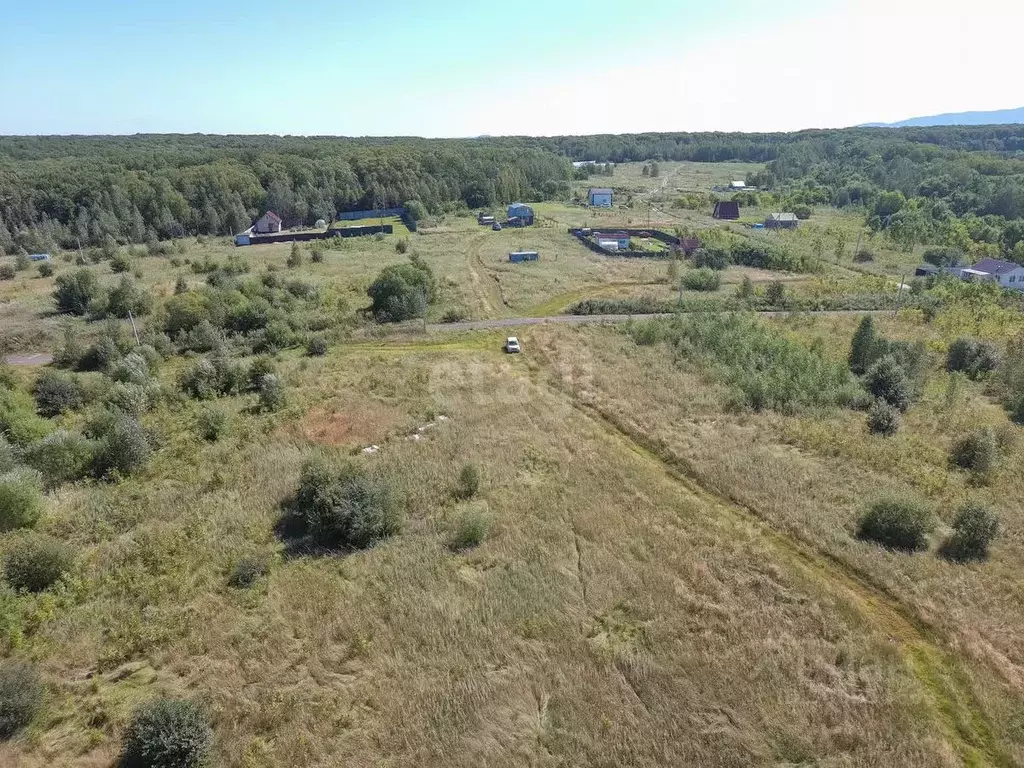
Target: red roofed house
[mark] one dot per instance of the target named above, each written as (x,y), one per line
(268,223)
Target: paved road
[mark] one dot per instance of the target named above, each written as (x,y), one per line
(513,322)
(39,358)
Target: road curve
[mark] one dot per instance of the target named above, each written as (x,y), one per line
(514,322)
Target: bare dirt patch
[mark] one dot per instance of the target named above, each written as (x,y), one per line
(356,425)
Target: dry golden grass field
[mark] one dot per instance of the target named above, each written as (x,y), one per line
(661,578)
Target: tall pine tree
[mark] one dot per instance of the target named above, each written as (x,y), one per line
(862,349)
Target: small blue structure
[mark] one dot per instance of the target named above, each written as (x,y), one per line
(520,256)
(522,212)
(600,197)
(242,239)
(39,257)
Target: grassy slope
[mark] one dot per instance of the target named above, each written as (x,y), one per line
(611,599)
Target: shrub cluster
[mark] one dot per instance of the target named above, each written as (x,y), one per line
(469,482)
(883,419)
(976,452)
(764,368)
(21,499)
(471,528)
(898,524)
(168,733)
(974,529)
(56,393)
(35,562)
(974,358)
(21,696)
(702,279)
(403,291)
(343,506)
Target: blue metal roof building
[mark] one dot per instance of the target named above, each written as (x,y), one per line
(522,212)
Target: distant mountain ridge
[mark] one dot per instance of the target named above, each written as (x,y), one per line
(995,117)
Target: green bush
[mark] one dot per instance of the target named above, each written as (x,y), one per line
(124,448)
(46,269)
(702,279)
(775,294)
(402,246)
(101,355)
(271,392)
(57,392)
(711,257)
(897,524)
(61,457)
(402,292)
(883,419)
(210,423)
(35,562)
(21,696)
(21,499)
(19,422)
(887,381)
(471,528)
(132,399)
(975,358)
(121,262)
(75,291)
(976,452)
(248,571)
(168,733)
(131,369)
(317,347)
(200,381)
(469,482)
(127,297)
(260,367)
(974,529)
(344,506)
(7,271)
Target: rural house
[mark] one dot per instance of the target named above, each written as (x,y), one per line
(727,209)
(781,221)
(600,197)
(520,215)
(268,224)
(1006,273)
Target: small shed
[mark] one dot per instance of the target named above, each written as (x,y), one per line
(612,241)
(269,223)
(242,239)
(727,209)
(522,212)
(519,256)
(782,221)
(485,219)
(737,186)
(600,197)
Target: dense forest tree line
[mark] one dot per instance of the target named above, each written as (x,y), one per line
(961,186)
(61,191)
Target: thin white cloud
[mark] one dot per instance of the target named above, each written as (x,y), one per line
(876,60)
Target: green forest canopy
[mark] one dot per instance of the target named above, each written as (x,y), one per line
(956,186)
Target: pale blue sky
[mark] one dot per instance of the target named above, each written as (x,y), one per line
(462,68)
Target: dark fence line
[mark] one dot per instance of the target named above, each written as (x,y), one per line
(304,237)
(376,213)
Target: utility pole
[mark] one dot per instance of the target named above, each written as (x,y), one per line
(899,295)
(134,329)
